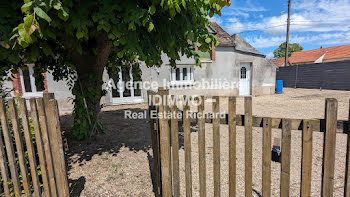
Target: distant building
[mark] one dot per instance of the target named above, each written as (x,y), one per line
(279,62)
(330,54)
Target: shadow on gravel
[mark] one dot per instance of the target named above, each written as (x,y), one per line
(133,134)
(120,132)
(76,186)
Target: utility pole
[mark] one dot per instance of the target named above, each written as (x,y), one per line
(287,38)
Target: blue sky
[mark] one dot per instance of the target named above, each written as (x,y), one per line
(314,23)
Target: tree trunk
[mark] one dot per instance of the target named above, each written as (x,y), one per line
(90,69)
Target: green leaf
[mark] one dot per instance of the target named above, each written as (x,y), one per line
(152,9)
(111,36)
(79,34)
(150,27)
(39,12)
(14,58)
(28,21)
(26,7)
(132,26)
(120,54)
(208,40)
(58,6)
(63,14)
(116,43)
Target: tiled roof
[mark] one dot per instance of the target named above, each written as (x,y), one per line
(336,52)
(222,35)
(279,62)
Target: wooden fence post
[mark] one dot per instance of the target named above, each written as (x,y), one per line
(232,145)
(55,136)
(329,147)
(175,149)
(154,127)
(201,149)
(347,166)
(188,149)
(165,149)
(30,147)
(248,124)
(285,157)
(266,163)
(19,146)
(47,146)
(40,147)
(3,160)
(216,145)
(306,164)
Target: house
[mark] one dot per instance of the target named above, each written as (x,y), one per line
(246,70)
(234,61)
(279,62)
(321,55)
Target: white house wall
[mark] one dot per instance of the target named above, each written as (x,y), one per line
(225,67)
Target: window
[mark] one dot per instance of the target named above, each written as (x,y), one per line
(243,73)
(184,74)
(28,81)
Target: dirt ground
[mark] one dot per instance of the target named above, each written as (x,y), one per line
(118,163)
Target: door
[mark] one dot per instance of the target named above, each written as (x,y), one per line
(127,90)
(244,79)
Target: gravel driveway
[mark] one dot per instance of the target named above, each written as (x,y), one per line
(118,162)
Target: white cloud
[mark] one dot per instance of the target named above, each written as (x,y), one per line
(243,8)
(320,39)
(216,19)
(307,16)
(270,55)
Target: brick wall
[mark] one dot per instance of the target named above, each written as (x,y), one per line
(16,84)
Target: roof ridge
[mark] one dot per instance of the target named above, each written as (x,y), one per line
(322,48)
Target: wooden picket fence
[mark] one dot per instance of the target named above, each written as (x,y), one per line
(165,142)
(31,151)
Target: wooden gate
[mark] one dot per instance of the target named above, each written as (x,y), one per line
(31,151)
(165,142)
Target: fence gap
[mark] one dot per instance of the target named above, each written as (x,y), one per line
(248,136)
(306,163)
(329,147)
(201,149)
(266,163)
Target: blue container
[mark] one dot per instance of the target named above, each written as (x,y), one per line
(279,87)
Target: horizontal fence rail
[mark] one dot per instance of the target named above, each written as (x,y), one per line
(318,125)
(32,160)
(167,156)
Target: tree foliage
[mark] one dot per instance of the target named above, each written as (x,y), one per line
(281,50)
(78,39)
